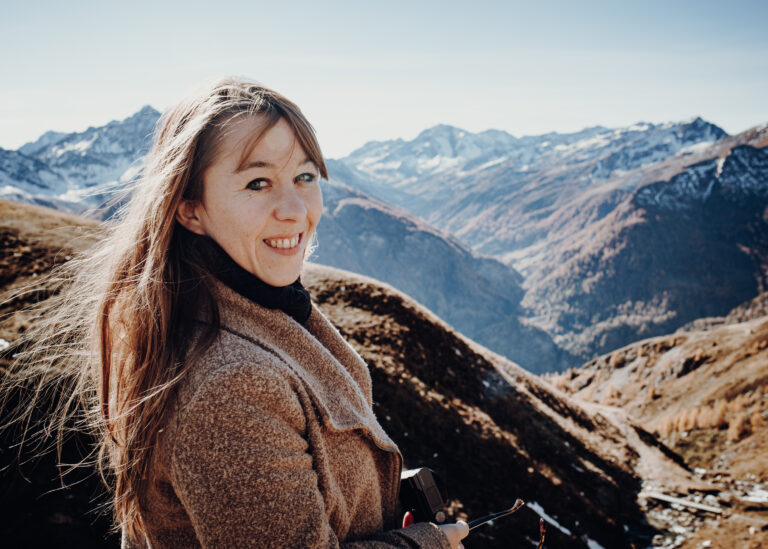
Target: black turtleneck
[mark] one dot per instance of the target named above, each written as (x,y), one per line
(292,299)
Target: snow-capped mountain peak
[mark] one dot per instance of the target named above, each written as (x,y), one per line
(447,151)
(72,167)
(101,154)
(48,139)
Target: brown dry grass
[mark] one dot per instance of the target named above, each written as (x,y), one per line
(717,418)
(720,372)
(741,416)
(738,404)
(738,427)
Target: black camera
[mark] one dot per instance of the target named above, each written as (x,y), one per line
(422,492)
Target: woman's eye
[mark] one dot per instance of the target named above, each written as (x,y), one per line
(257,184)
(306,178)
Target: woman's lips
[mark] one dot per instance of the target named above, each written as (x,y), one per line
(284,245)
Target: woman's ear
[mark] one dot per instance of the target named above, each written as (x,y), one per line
(188,215)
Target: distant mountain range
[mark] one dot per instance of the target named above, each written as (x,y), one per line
(493,190)
(548,249)
(620,234)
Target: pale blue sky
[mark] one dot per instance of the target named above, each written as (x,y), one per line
(379,70)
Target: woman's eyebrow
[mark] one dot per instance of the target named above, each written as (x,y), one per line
(253,164)
(265,164)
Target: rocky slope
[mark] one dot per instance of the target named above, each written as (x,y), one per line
(704,392)
(495,431)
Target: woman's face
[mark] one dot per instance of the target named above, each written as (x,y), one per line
(263,207)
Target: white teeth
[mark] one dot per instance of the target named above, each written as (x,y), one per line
(284,242)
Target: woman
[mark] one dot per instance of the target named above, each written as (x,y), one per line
(230,412)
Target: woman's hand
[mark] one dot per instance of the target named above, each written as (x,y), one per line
(455,533)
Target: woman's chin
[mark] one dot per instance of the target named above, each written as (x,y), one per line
(282,278)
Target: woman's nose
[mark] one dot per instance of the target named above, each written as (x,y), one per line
(290,205)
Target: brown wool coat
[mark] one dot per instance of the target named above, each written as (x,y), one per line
(272,442)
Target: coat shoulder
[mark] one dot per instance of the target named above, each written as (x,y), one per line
(228,351)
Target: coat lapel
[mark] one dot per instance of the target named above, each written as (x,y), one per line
(334,375)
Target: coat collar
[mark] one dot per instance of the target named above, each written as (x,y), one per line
(334,375)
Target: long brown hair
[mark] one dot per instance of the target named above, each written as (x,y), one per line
(115,337)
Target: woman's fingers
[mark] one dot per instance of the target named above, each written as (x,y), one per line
(455,533)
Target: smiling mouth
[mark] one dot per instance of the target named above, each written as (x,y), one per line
(284,243)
